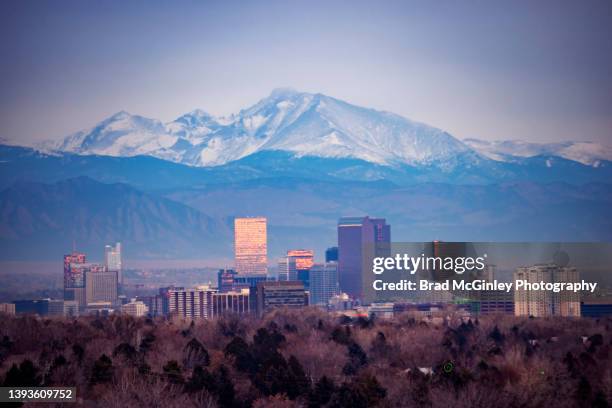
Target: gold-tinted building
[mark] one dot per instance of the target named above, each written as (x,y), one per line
(251,246)
(296,261)
(304,258)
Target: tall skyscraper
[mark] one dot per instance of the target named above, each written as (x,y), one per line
(359,239)
(100,284)
(74,277)
(112,260)
(323,283)
(542,303)
(250,246)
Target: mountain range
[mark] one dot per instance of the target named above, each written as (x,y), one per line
(170,190)
(306,125)
(40,221)
(589,153)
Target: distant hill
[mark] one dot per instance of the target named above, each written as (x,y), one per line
(152,174)
(40,221)
(304,213)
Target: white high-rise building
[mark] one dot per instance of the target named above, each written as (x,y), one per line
(112,260)
(192,303)
(541,303)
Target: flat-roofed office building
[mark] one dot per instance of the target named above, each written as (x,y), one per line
(277,294)
(192,303)
(135,308)
(232,302)
(100,284)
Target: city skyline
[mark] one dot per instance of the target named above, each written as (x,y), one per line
(339,203)
(236,293)
(342,284)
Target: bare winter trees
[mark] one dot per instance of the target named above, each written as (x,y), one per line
(309,358)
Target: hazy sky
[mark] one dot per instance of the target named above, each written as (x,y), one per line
(536,70)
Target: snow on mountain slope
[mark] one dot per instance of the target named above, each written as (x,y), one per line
(252,129)
(193,126)
(301,123)
(588,153)
(305,124)
(121,135)
(332,128)
(317,125)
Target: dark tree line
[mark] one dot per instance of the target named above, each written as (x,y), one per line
(313,359)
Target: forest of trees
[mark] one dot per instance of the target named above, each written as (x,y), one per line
(309,358)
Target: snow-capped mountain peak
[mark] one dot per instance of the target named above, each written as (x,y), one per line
(193,126)
(318,125)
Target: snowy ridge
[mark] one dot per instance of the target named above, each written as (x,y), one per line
(304,124)
(589,153)
(193,126)
(120,135)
